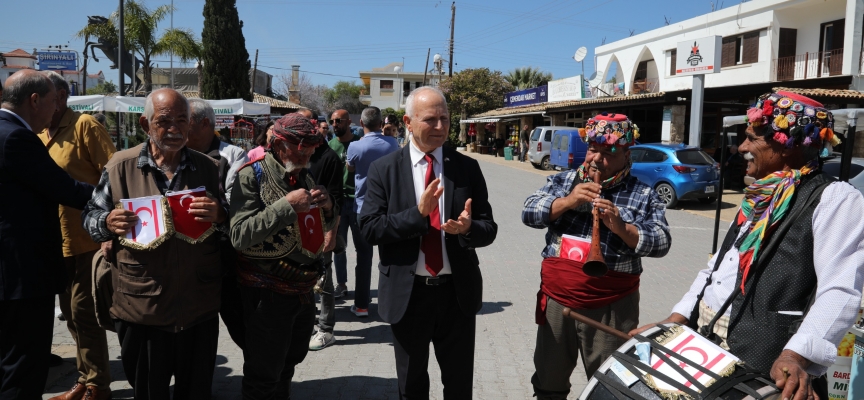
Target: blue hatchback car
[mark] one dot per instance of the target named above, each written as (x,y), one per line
(676,172)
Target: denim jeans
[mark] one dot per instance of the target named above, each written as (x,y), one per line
(363,269)
(341,260)
(327,318)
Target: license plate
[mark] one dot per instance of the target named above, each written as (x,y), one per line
(709,189)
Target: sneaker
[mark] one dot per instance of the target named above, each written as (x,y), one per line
(360,312)
(321,340)
(341,291)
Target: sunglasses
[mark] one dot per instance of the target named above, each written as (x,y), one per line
(337,120)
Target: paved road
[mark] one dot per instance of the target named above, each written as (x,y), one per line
(361,364)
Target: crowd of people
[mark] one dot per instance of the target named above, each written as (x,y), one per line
(274,230)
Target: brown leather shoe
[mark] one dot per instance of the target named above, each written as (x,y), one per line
(76,393)
(94,393)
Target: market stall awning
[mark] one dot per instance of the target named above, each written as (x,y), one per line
(136,105)
(479,120)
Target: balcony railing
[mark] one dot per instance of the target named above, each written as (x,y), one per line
(650,85)
(809,65)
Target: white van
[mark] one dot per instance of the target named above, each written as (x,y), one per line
(541,145)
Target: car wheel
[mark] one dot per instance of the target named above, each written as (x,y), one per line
(667,194)
(545,164)
(707,200)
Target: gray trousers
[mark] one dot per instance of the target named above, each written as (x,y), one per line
(327,318)
(560,341)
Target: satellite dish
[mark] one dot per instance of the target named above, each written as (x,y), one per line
(580,54)
(593,76)
(397,69)
(436,58)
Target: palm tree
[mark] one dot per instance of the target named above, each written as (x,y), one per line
(527,77)
(141,36)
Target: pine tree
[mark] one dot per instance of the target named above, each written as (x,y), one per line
(225,73)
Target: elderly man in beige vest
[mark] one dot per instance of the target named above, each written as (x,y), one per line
(166,293)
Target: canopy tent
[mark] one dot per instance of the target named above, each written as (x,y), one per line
(845,120)
(136,105)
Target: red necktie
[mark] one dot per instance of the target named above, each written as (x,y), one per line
(431,244)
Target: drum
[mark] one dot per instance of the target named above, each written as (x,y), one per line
(671,361)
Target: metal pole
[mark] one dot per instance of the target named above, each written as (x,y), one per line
(696,110)
(452,26)
(846,159)
(172,51)
(427,65)
(120,28)
(720,190)
(255,73)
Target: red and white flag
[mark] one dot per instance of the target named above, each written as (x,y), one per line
(574,248)
(151,219)
(698,350)
(311,230)
(184,222)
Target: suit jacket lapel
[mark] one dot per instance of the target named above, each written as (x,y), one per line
(449,169)
(406,177)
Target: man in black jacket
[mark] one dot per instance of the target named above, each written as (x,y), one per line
(426,208)
(32,187)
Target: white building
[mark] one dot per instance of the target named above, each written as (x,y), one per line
(389,86)
(764,41)
(15,61)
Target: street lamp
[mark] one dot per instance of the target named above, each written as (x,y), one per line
(398,69)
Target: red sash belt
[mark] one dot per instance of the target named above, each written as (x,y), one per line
(564,281)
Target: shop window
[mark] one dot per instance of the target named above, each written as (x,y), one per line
(740,49)
(387,84)
(674,59)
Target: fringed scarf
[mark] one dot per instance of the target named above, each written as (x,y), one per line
(765,204)
(582,176)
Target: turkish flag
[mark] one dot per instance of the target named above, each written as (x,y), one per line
(574,248)
(311,230)
(151,221)
(184,222)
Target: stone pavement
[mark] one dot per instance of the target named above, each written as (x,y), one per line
(361,365)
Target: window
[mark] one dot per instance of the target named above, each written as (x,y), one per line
(653,156)
(740,49)
(417,84)
(536,135)
(674,59)
(556,143)
(406,86)
(636,155)
(833,169)
(694,157)
(548,136)
(565,142)
(387,84)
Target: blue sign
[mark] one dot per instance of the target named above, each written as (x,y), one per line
(57,61)
(525,97)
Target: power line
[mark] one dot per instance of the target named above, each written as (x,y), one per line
(310,72)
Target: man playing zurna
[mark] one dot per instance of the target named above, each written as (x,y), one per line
(771,274)
(633,226)
(278,220)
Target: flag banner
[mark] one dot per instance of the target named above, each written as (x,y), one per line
(310,225)
(697,350)
(574,248)
(185,225)
(154,224)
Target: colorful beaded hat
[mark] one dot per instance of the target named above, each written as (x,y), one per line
(795,119)
(610,130)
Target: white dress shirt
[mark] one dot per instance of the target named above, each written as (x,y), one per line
(236,158)
(418,169)
(838,257)
(19,118)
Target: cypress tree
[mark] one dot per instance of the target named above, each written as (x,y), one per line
(225,73)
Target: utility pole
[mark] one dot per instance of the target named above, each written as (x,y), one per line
(424,69)
(254,73)
(120,39)
(172,51)
(452,25)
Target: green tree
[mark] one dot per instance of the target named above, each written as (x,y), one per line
(473,91)
(398,113)
(345,95)
(141,27)
(105,87)
(527,77)
(225,70)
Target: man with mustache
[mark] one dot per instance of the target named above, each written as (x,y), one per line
(166,294)
(792,258)
(279,216)
(633,226)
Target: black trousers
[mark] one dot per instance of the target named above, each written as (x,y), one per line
(278,329)
(231,310)
(151,357)
(433,315)
(26,330)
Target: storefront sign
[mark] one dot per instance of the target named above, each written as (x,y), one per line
(525,97)
(223,122)
(567,89)
(57,61)
(699,56)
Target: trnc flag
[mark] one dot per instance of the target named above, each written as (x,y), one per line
(574,248)
(185,225)
(151,224)
(311,229)
(697,350)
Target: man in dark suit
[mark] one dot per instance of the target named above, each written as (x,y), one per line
(32,187)
(429,286)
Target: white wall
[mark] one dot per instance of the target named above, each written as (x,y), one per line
(765,15)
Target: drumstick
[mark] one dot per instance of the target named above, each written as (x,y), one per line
(594,324)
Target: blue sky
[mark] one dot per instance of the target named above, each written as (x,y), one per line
(342,37)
